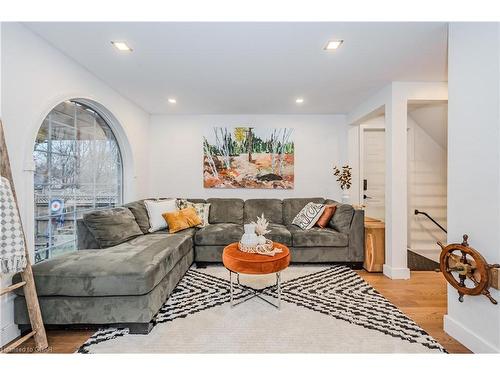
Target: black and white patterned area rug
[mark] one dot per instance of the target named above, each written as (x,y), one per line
(324,310)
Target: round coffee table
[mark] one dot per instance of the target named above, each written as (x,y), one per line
(237,261)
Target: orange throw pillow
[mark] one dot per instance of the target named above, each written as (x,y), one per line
(182,219)
(325,217)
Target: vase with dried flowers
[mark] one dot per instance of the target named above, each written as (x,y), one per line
(344,179)
(261,228)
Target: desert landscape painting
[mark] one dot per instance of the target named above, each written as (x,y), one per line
(247,157)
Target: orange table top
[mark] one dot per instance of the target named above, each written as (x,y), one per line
(255,264)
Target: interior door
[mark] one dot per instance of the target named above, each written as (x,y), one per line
(373,179)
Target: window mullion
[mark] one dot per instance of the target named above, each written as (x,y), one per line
(94,175)
(49,187)
(75,176)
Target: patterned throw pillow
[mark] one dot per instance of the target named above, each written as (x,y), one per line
(309,215)
(202,210)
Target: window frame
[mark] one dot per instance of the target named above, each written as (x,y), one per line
(101,121)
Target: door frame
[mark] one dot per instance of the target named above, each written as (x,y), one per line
(361,149)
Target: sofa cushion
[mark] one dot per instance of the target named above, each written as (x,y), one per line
(85,238)
(196,200)
(292,206)
(113,226)
(279,233)
(225,210)
(317,237)
(271,208)
(218,234)
(131,268)
(342,218)
(138,209)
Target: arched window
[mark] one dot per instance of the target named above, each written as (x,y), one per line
(78,169)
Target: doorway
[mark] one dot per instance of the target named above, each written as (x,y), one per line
(373,176)
(427,178)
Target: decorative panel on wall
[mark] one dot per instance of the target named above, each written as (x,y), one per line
(247,157)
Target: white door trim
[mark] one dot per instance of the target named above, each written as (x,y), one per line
(361,135)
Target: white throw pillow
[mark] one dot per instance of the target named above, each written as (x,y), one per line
(309,215)
(155,211)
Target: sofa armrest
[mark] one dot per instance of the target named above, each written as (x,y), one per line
(357,237)
(85,238)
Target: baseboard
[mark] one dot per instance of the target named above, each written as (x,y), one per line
(396,273)
(466,337)
(9,333)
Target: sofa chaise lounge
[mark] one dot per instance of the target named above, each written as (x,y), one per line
(125,285)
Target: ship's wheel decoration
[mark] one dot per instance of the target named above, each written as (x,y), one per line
(466,269)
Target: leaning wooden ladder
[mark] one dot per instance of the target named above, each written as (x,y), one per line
(28,282)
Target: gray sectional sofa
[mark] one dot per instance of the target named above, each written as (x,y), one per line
(126,284)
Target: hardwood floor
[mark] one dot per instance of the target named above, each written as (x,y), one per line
(60,341)
(423,298)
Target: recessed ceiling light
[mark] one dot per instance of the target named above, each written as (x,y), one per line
(121,46)
(333,45)
(299,100)
(172,100)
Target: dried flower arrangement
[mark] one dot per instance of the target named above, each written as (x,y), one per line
(265,246)
(261,226)
(343,176)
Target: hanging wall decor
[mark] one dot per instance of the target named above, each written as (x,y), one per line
(247,157)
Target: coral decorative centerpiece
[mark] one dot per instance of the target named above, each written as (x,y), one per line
(253,240)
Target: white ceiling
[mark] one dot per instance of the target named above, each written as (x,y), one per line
(219,68)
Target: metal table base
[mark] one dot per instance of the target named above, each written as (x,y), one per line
(255,293)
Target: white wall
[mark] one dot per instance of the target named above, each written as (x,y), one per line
(7,330)
(427,176)
(433,119)
(35,78)
(177,154)
(0,69)
(474,171)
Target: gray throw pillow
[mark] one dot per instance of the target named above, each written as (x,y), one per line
(112,226)
(341,220)
(138,209)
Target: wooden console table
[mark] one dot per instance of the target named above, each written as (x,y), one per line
(374,245)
